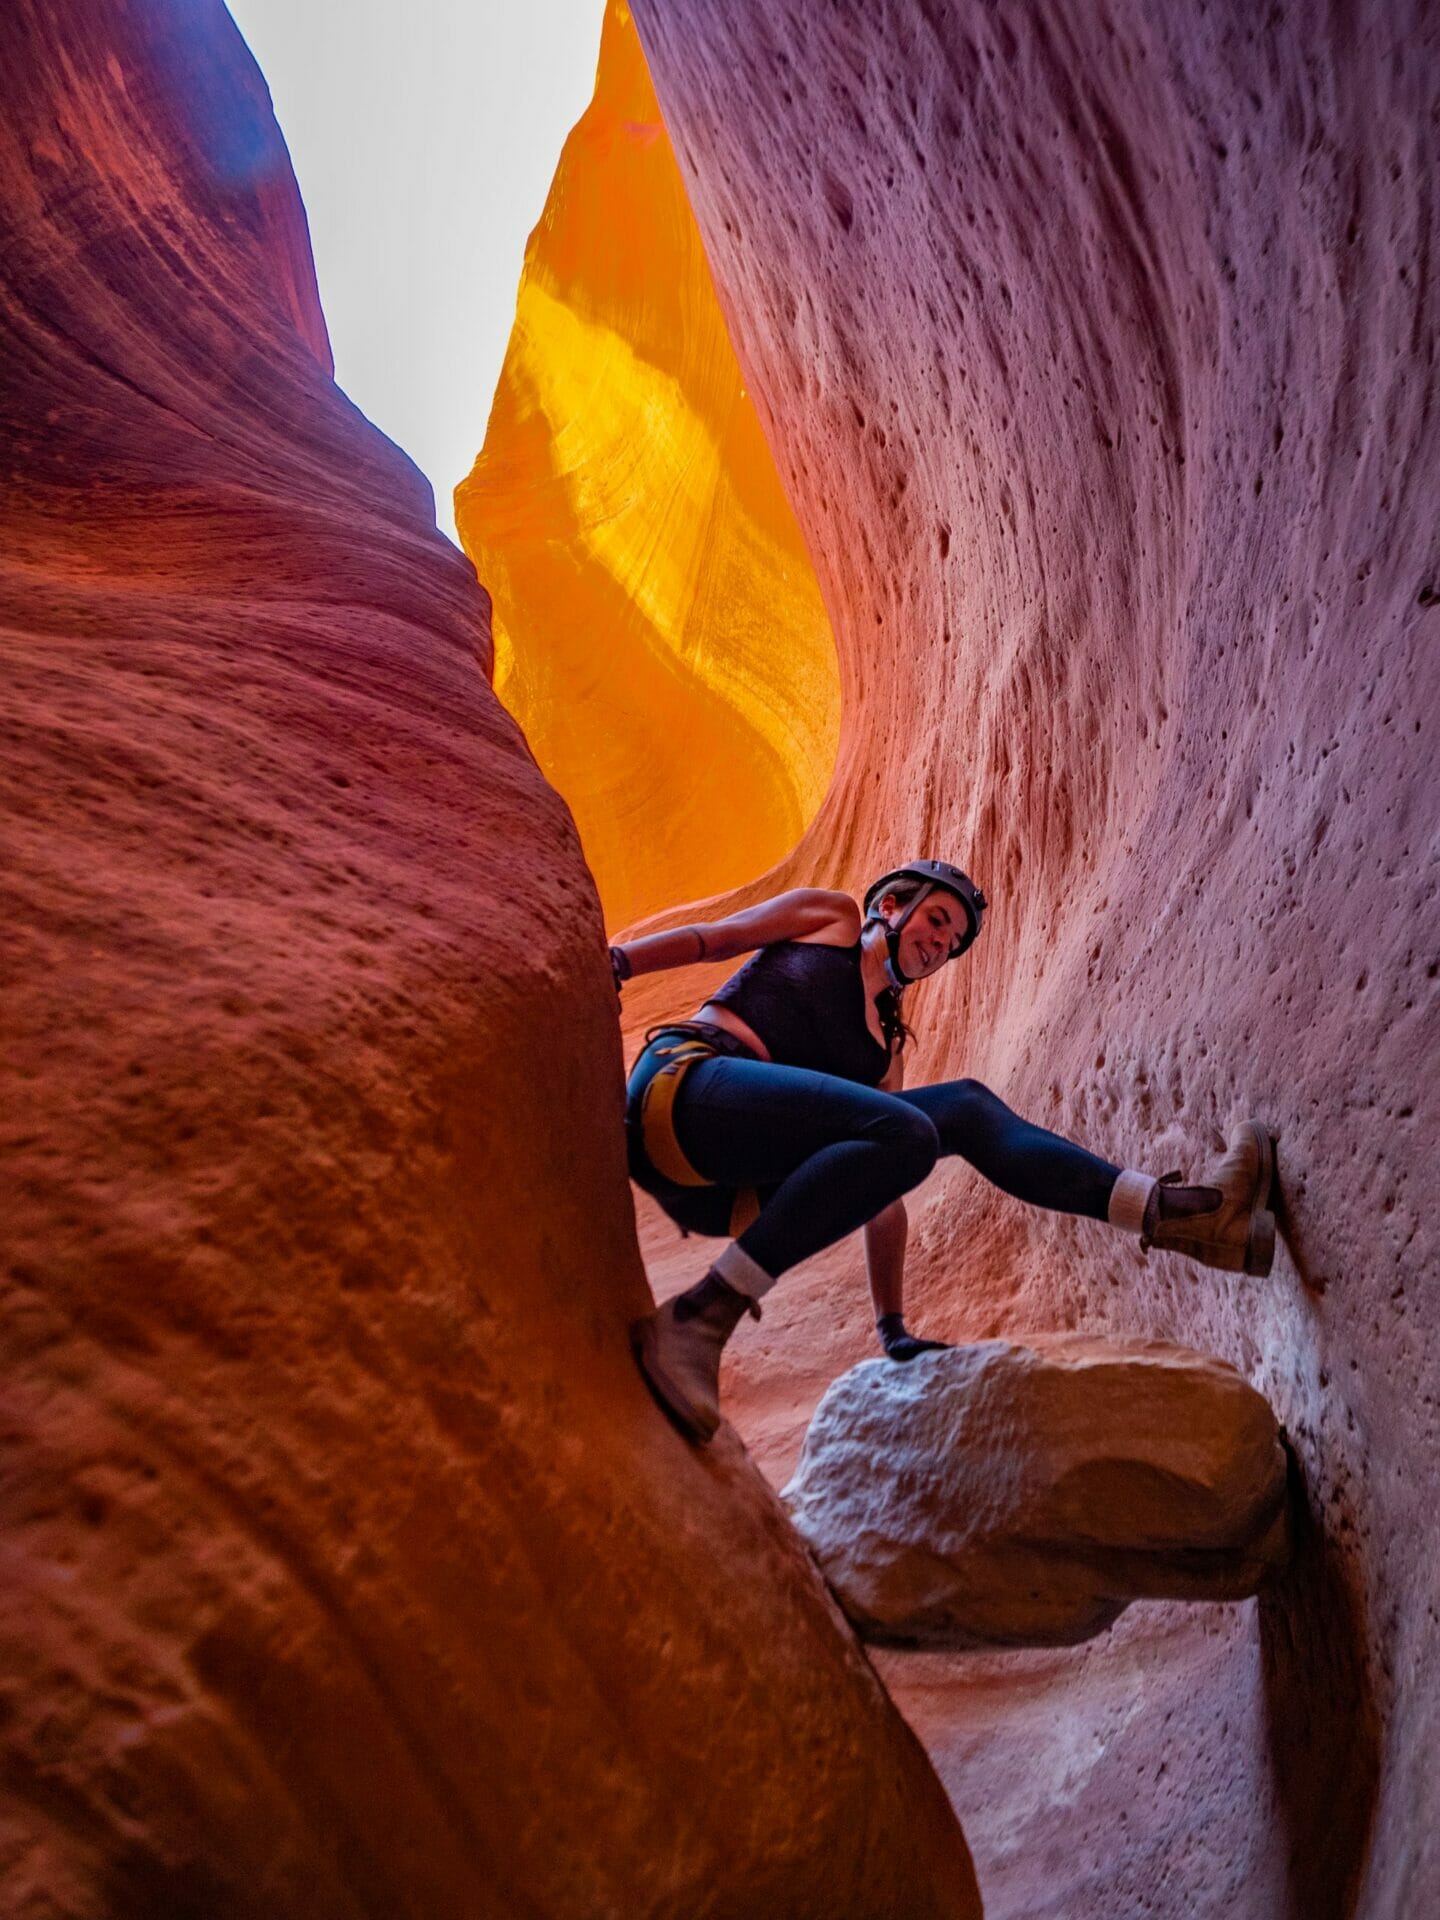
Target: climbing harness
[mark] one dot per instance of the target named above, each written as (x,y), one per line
(657,1111)
(688,1044)
(934,873)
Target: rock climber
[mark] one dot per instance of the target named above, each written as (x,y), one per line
(777,1118)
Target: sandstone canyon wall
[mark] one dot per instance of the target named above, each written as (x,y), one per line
(1096,347)
(659,633)
(348,1568)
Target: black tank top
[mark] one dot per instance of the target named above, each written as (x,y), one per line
(807,1003)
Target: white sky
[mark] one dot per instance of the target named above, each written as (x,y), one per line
(424,135)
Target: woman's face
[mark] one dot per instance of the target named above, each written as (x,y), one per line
(930,935)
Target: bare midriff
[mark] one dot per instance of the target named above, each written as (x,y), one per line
(717,1016)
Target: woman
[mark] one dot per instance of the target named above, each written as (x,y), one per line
(779,1116)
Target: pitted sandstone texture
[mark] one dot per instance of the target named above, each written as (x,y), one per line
(348,1568)
(1097,350)
(1000,1495)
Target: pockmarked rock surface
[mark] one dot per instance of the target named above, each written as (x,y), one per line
(347,1567)
(1004,1495)
(1097,349)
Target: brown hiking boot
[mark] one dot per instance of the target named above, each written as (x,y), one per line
(678,1349)
(1226,1223)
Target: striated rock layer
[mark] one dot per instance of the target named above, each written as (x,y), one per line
(348,1568)
(1097,348)
(1000,1495)
(659,633)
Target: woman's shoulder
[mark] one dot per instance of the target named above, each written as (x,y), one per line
(838,921)
(803,915)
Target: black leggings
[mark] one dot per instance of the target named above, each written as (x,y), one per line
(826,1154)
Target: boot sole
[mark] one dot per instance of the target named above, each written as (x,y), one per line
(1260,1244)
(1266,1178)
(667,1396)
(1260,1241)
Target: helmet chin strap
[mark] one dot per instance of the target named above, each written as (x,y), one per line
(894,972)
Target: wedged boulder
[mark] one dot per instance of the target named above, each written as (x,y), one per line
(1008,1495)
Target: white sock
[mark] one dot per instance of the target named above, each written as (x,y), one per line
(738,1270)
(1128,1200)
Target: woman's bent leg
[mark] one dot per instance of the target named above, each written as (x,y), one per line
(833,1152)
(1041,1168)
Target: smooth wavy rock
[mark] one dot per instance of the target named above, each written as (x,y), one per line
(659,632)
(1005,1496)
(347,1567)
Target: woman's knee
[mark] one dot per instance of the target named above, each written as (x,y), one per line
(966,1114)
(967,1104)
(914,1142)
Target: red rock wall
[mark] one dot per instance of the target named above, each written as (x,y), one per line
(348,1568)
(1097,350)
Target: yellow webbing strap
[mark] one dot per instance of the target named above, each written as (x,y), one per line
(657,1129)
(657,1114)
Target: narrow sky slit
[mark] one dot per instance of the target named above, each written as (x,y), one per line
(424,139)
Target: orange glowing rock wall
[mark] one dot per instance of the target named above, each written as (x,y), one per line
(346,1567)
(659,633)
(1098,347)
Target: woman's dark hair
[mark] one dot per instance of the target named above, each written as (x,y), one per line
(890,1002)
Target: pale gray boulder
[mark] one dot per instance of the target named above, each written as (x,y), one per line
(1007,1495)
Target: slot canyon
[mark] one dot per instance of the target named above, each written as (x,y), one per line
(1000,432)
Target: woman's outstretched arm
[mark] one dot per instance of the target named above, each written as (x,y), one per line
(805,913)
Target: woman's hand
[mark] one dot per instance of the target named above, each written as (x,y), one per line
(620,967)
